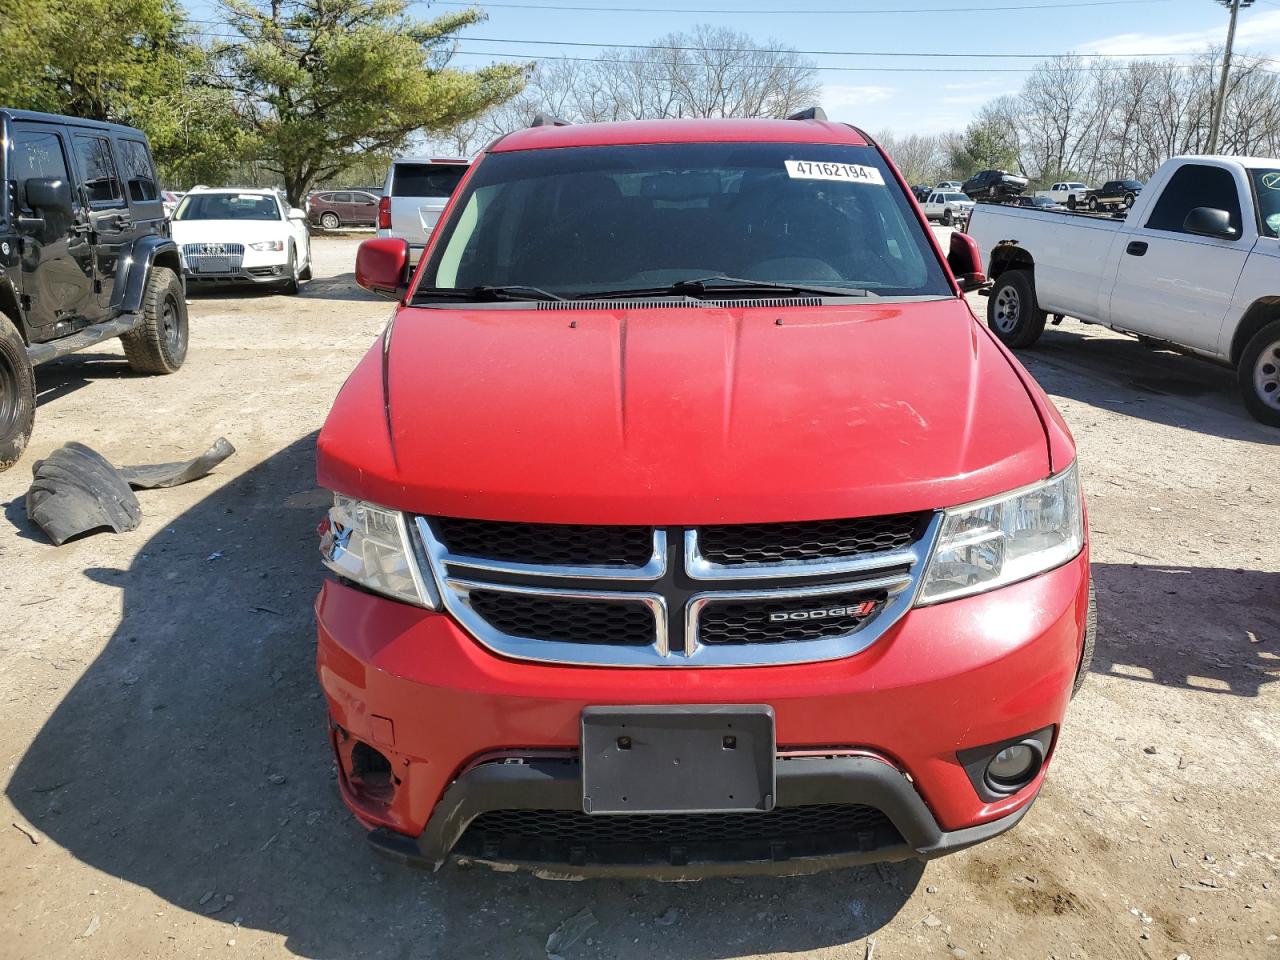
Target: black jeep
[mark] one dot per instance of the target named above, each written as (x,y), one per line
(85,255)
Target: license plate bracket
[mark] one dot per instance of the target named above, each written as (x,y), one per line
(715,758)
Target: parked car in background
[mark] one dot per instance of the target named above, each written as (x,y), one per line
(822,468)
(1068,193)
(1038,201)
(170,200)
(416,193)
(242,236)
(1195,266)
(921,192)
(994,185)
(1114,193)
(949,186)
(85,256)
(333,209)
(947,207)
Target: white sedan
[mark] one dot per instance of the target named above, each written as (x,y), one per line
(242,236)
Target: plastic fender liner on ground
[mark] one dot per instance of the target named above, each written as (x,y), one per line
(174,474)
(75,491)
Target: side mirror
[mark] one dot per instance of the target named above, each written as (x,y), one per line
(296,214)
(1210,222)
(965,261)
(49,195)
(382,266)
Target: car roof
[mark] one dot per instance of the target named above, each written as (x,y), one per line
(462,160)
(635,132)
(256,191)
(36,117)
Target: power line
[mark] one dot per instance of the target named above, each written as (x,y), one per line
(497,4)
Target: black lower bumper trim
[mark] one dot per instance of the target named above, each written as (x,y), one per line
(906,830)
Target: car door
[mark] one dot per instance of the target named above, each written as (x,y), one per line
(57,270)
(103,192)
(145,201)
(1175,285)
(931,206)
(364,208)
(340,203)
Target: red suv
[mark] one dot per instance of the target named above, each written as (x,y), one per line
(686,521)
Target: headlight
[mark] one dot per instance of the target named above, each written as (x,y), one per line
(267,245)
(371,546)
(999,541)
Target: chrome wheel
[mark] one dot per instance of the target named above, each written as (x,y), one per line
(1008,309)
(330,221)
(1266,375)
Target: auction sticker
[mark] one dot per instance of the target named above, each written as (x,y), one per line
(823,170)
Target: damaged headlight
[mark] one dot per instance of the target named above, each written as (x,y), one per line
(276,245)
(1005,539)
(372,546)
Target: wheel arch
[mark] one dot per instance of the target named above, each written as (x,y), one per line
(1008,255)
(9,307)
(148,253)
(1261,312)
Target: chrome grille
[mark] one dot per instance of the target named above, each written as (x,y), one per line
(655,596)
(213,257)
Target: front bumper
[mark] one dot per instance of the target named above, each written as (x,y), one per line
(258,273)
(881,728)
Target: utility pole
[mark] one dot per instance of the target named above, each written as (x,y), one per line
(1220,101)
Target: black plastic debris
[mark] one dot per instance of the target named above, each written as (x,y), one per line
(77,491)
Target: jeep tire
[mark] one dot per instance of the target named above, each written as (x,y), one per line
(17,394)
(159,343)
(1012,313)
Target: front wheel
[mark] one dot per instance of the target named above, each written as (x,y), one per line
(1071,203)
(947,219)
(1093,204)
(17,395)
(1259,375)
(159,343)
(330,221)
(290,286)
(1012,313)
(1128,200)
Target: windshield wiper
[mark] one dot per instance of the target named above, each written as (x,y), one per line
(702,286)
(514,291)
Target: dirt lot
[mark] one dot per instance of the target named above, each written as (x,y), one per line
(164,737)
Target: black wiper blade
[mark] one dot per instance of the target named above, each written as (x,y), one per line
(703,286)
(515,291)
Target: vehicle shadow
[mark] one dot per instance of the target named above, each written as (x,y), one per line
(1124,376)
(64,376)
(340,286)
(1203,628)
(190,758)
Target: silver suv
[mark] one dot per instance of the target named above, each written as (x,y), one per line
(415,194)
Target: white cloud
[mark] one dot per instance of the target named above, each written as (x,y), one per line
(1255,30)
(851,97)
(973,85)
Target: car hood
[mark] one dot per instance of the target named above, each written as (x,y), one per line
(228,231)
(670,416)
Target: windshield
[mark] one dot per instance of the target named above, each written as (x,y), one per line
(1266,185)
(1131,184)
(590,220)
(227,206)
(956,197)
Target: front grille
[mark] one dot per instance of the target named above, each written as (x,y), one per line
(749,621)
(553,544)
(747,543)
(570,836)
(564,619)
(213,257)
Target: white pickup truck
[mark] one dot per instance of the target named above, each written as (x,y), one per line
(1194,265)
(1068,193)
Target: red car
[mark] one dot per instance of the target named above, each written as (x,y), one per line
(687,522)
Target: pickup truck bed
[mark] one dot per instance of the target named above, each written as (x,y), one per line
(1194,265)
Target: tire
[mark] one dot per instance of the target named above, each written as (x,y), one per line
(1259,375)
(947,219)
(1071,202)
(17,395)
(159,344)
(1090,637)
(1093,204)
(1128,200)
(330,221)
(290,286)
(1012,313)
(305,273)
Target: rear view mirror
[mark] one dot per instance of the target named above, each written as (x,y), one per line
(1210,222)
(382,266)
(49,195)
(965,261)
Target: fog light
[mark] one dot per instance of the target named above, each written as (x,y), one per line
(1012,764)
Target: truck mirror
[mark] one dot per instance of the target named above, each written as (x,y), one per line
(49,195)
(382,266)
(1210,222)
(965,261)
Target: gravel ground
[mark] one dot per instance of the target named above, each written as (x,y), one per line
(169,791)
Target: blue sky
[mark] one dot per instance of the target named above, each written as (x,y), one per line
(879,97)
(882,92)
